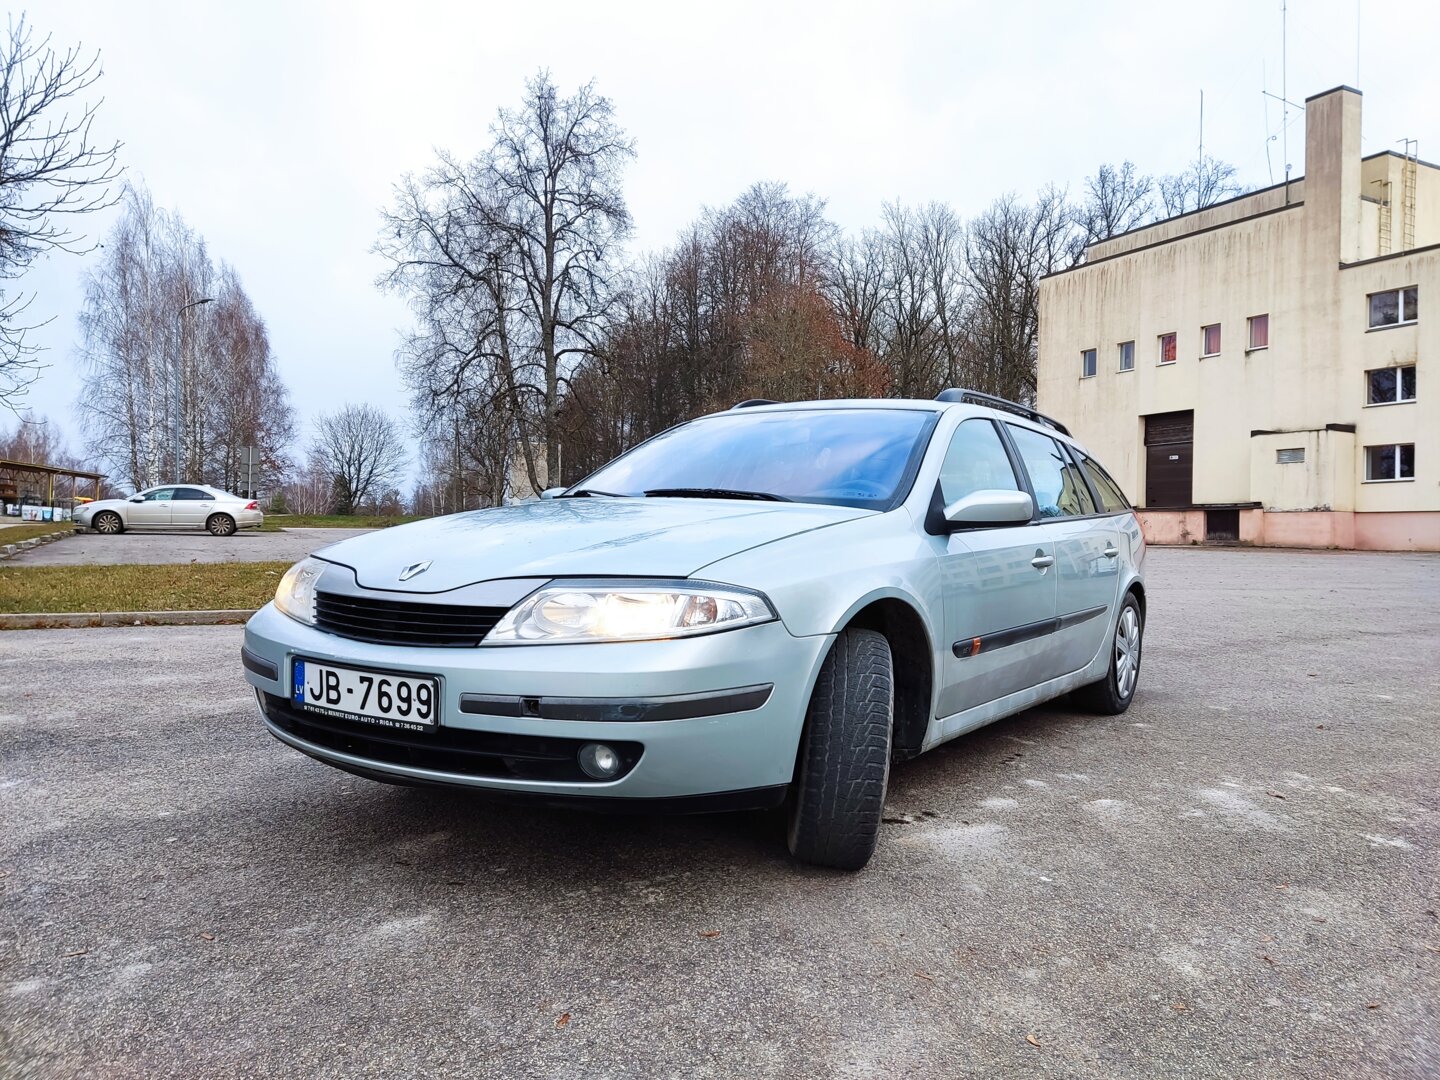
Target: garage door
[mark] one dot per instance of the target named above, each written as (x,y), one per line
(1169,458)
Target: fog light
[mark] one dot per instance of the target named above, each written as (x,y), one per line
(599,761)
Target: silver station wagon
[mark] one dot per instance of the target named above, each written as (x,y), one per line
(760,608)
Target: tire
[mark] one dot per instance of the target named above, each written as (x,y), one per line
(108,523)
(220,524)
(844,761)
(1112,695)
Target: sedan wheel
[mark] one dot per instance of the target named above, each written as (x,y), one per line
(220,524)
(1112,695)
(109,523)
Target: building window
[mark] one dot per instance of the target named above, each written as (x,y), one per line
(1127,356)
(1295,456)
(1390,386)
(1390,462)
(1394,308)
(1210,340)
(1167,348)
(1259,332)
(1087,363)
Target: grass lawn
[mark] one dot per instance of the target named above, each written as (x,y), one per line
(13,534)
(183,587)
(276,522)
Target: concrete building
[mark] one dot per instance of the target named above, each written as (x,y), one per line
(1267,369)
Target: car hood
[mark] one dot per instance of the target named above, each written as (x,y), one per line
(103,504)
(590,537)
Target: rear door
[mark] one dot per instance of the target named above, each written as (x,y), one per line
(191,507)
(999,584)
(1087,547)
(153,513)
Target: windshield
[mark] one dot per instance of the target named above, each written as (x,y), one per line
(847,457)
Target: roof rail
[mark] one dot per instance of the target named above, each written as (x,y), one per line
(975,397)
(752,401)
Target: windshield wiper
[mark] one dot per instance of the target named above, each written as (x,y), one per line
(715,493)
(584,493)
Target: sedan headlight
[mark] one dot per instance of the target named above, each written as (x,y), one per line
(296,594)
(628,611)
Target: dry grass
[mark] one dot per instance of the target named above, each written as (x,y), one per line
(13,534)
(182,587)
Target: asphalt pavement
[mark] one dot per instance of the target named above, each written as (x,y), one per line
(249,545)
(1237,878)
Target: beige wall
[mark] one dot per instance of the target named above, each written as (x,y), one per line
(1287,263)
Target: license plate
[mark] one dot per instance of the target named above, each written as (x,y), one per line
(384,698)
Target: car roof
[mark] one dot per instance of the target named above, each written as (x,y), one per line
(913,404)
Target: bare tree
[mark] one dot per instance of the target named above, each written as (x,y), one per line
(361,450)
(1205,183)
(509,261)
(175,354)
(1115,201)
(50,173)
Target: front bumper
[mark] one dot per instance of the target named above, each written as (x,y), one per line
(522,693)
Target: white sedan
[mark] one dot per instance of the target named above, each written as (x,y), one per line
(175,506)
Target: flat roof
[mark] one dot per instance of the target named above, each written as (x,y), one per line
(47,470)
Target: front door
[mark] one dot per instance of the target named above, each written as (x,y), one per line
(999,585)
(1169,459)
(154,512)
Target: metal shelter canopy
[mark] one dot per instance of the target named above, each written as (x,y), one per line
(11,472)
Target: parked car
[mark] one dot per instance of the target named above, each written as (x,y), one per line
(765,606)
(172,506)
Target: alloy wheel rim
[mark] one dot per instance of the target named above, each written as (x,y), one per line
(106,524)
(1127,652)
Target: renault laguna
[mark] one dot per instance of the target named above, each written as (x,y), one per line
(763,607)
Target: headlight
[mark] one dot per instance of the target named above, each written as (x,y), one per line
(296,594)
(626,611)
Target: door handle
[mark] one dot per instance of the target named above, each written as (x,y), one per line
(1111,552)
(1041,561)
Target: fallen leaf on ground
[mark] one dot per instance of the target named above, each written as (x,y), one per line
(564,1019)
(1032,1040)
(1267,958)
(207,937)
(709,933)
(1267,937)
(77,952)
(1285,886)
(1274,794)
(1179,1006)
(1372,1005)
(1433,948)
(922,975)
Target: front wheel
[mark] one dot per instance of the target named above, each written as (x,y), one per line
(1112,695)
(844,762)
(108,523)
(220,525)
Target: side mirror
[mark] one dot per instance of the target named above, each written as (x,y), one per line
(550,493)
(137,498)
(991,506)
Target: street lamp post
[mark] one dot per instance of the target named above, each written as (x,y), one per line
(179,366)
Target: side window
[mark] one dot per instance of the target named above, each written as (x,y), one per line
(1110,494)
(1060,490)
(160,495)
(192,494)
(976,461)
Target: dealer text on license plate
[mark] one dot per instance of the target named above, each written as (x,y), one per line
(373,697)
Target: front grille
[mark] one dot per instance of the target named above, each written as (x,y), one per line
(404,622)
(491,754)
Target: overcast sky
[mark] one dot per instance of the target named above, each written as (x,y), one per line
(276,129)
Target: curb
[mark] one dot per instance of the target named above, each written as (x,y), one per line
(72,620)
(7,550)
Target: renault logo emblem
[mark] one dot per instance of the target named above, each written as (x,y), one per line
(414,569)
